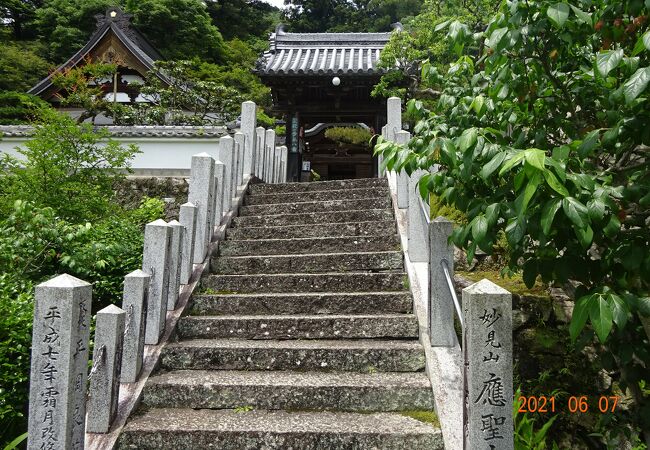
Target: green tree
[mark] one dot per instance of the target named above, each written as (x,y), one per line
(21,67)
(17,108)
(68,167)
(540,132)
(179,29)
(243,19)
(18,14)
(66,25)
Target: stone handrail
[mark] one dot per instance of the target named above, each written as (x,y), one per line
(485,315)
(68,407)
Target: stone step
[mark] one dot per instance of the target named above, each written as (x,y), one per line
(337,185)
(306,282)
(303,303)
(363,355)
(302,246)
(368,215)
(190,429)
(315,230)
(316,196)
(304,391)
(330,262)
(389,326)
(312,207)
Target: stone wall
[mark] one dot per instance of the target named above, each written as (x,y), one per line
(172,190)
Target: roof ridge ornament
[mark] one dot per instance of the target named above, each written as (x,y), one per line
(397,26)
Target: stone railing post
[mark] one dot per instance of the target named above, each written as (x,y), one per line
(260,147)
(187,218)
(134,303)
(175,260)
(394,114)
(155,262)
(441,303)
(248,125)
(487,353)
(219,194)
(227,157)
(402,137)
(240,142)
(269,139)
(283,164)
(417,228)
(202,196)
(59,364)
(105,374)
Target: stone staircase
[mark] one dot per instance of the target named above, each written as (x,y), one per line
(302,337)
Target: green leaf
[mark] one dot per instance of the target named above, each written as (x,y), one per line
(600,314)
(467,139)
(608,60)
(554,184)
(479,228)
(643,306)
(585,236)
(620,310)
(636,84)
(513,161)
(477,104)
(561,153)
(581,15)
(589,143)
(490,167)
(558,13)
(580,315)
(548,214)
(492,213)
(596,208)
(515,230)
(575,211)
(535,157)
(496,37)
(613,227)
(442,25)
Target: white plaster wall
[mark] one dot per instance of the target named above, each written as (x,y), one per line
(159,156)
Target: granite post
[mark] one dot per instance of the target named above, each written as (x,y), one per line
(59,364)
(105,374)
(441,303)
(227,157)
(394,114)
(187,218)
(402,137)
(155,262)
(260,150)
(487,353)
(381,171)
(417,224)
(219,199)
(175,261)
(240,141)
(201,195)
(248,125)
(269,139)
(283,166)
(134,303)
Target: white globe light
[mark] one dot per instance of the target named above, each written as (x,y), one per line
(336,81)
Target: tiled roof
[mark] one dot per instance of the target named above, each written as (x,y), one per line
(322,53)
(116,131)
(118,25)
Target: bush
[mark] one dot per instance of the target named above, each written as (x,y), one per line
(17,108)
(349,135)
(68,167)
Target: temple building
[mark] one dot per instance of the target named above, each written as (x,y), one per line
(319,81)
(117,42)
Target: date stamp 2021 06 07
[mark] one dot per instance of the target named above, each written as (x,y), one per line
(575,404)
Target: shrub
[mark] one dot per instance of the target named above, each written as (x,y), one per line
(68,167)
(17,108)
(349,135)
